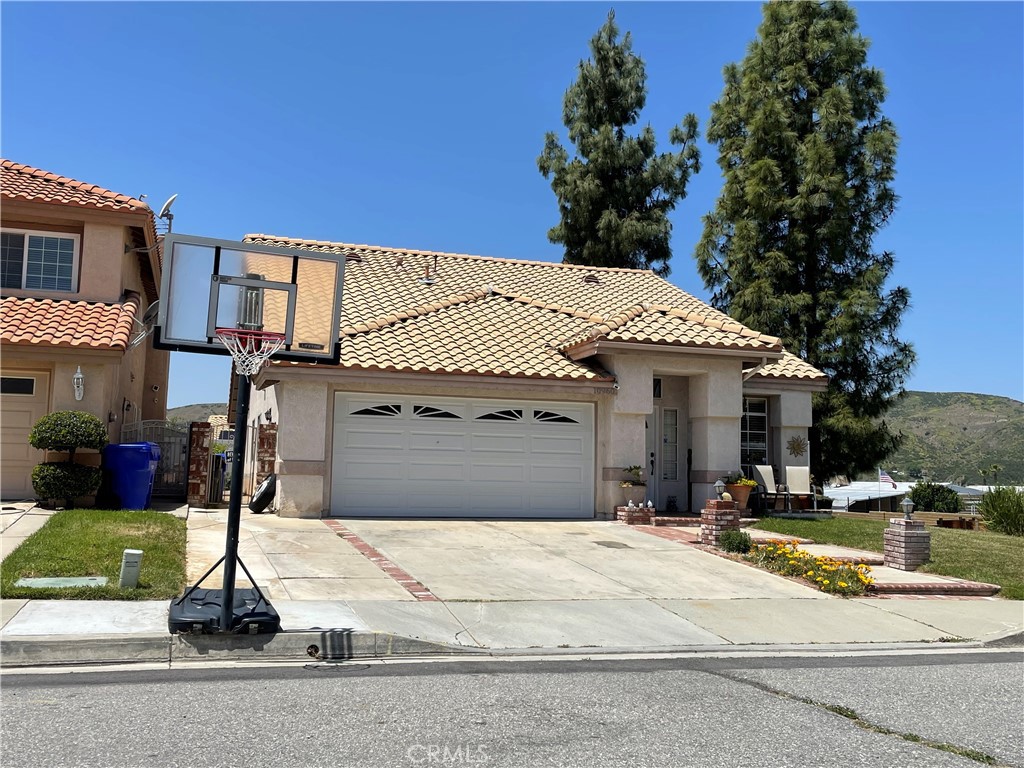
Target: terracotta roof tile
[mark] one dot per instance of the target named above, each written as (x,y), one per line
(791,367)
(23,182)
(60,323)
(509,317)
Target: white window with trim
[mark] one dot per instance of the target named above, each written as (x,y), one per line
(35,260)
(754,434)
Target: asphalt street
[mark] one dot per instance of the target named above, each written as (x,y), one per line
(527,712)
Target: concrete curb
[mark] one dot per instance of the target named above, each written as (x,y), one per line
(319,645)
(343,644)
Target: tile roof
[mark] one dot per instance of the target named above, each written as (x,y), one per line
(509,317)
(61,323)
(23,182)
(791,367)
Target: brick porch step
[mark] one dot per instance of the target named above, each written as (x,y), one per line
(951,589)
(679,520)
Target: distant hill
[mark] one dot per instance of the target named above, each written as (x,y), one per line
(952,435)
(196,411)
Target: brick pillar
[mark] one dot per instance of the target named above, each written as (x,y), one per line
(266,451)
(718,516)
(907,544)
(198,483)
(634,515)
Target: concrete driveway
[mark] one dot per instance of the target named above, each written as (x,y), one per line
(463,560)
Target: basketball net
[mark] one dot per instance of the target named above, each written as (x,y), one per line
(250,349)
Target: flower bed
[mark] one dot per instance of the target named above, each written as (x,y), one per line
(837,577)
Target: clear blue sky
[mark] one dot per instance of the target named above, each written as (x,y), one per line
(419,125)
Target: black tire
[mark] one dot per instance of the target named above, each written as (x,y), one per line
(263,495)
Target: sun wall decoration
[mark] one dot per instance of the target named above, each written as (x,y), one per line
(797,445)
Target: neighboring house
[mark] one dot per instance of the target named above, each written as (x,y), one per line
(80,266)
(504,388)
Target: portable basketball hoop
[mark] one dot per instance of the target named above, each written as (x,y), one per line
(250,349)
(260,301)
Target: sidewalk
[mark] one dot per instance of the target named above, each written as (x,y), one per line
(345,597)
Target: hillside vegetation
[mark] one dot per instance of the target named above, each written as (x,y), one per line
(196,412)
(951,436)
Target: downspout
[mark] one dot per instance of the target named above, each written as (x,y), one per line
(755,369)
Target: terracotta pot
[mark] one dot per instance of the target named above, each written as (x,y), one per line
(740,494)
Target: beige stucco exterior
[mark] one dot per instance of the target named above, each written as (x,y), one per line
(704,390)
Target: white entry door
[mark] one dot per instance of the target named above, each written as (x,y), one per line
(457,457)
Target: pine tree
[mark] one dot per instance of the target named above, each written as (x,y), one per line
(615,195)
(809,160)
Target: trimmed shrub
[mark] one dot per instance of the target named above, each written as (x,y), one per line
(63,480)
(735,541)
(68,430)
(1003,511)
(931,497)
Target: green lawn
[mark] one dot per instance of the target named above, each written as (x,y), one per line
(985,556)
(90,542)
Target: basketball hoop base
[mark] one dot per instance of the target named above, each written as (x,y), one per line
(200,613)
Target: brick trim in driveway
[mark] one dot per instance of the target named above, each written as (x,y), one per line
(401,577)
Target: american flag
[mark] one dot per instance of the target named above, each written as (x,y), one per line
(883,477)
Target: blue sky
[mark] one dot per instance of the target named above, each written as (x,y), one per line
(419,125)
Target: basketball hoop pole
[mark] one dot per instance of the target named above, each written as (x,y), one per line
(227,607)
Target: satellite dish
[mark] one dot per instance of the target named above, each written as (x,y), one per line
(166,210)
(145,324)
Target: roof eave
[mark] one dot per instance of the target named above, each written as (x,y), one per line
(596,346)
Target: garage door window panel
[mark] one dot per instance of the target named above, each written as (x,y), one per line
(391,410)
(510,414)
(552,418)
(18,386)
(430,412)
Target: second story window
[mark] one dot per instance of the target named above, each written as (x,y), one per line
(45,261)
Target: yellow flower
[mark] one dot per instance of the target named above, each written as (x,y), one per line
(825,581)
(809,573)
(843,584)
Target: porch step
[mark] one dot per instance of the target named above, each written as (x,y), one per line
(680,520)
(949,589)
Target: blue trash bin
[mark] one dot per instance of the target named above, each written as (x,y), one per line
(132,469)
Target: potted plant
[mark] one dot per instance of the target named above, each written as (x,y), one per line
(739,487)
(632,487)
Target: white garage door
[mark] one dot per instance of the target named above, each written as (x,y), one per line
(453,457)
(24,397)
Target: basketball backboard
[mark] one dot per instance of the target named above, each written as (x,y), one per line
(209,284)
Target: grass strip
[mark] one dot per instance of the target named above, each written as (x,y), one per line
(985,556)
(90,542)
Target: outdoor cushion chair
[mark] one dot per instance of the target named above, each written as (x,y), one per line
(768,495)
(798,483)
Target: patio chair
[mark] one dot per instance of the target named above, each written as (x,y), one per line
(798,483)
(768,495)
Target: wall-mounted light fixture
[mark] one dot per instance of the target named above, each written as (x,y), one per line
(78,382)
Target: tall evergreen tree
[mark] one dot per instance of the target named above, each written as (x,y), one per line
(615,195)
(809,160)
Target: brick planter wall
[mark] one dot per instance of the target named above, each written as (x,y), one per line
(716,517)
(633,516)
(198,484)
(907,544)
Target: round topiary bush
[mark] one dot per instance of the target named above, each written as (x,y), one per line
(64,480)
(931,497)
(68,430)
